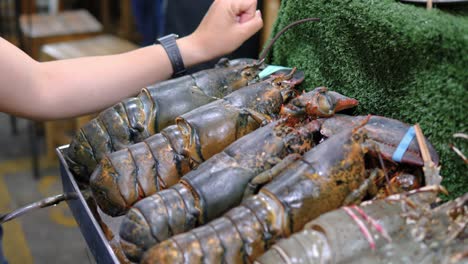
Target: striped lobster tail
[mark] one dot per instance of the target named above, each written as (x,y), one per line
(240,236)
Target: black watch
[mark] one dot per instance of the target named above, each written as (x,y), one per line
(169,44)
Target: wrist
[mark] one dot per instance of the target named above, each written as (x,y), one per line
(194,51)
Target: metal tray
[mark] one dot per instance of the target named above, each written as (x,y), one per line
(89,226)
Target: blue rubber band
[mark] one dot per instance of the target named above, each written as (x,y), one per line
(270,69)
(404,144)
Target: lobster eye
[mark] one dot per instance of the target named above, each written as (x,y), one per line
(356,137)
(325,104)
(297,102)
(277,81)
(247,73)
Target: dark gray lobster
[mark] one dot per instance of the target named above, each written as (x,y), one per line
(158,162)
(220,182)
(325,178)
(400,229)
(137,118)
(134,119)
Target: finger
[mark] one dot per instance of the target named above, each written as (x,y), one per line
(253,25)
(240,7)
(244,17)
(247,9)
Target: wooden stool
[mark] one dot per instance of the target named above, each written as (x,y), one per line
(59,132)
(40,29)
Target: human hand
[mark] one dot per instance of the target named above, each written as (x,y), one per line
(226,25)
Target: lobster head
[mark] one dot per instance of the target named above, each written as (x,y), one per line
(318,103)
(292,76)
(226,63)
(286,80)
(241,71)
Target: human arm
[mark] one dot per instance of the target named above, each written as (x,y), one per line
(61,89)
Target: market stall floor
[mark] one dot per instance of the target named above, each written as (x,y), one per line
(48,235)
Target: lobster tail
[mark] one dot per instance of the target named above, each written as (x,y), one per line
(128,175)
(80,157)
(223,240)
(121,180)
(156,218)
(135,221)
(240,236)
(166,252)
(114,129)
(87,148)
(105,191)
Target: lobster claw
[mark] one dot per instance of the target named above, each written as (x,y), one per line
(343,102)
(318,103)
(326,103)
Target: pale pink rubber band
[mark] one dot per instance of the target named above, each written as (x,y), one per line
(373,222)
(362,227)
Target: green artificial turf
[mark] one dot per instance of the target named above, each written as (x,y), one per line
(400,61)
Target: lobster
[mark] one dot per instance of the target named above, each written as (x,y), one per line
(134,119)
(158,162)
(326,177)
(137,118)
(219,183)
(402,228)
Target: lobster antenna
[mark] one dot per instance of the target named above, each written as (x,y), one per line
(291,74)
(363,123)
(382,165)
(295,23)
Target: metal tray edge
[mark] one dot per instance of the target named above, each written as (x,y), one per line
(90,228)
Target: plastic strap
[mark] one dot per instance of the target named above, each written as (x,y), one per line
(270,69)
(404,144)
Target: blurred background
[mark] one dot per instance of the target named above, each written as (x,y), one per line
(63,29)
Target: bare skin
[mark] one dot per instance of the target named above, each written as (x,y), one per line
(68,88)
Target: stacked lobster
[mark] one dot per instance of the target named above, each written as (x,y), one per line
(221,175)
(399,229)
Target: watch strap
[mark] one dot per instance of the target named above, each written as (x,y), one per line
(170,46)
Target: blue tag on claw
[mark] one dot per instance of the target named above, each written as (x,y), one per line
(404,144)
(270,69)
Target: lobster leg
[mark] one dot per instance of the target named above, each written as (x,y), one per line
(356,196)
(268,175)
(260,118)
